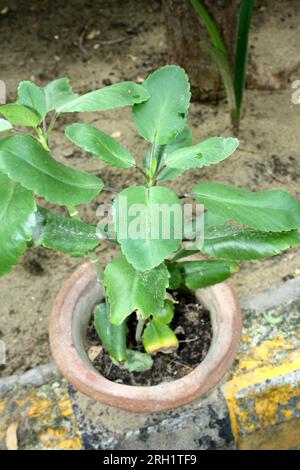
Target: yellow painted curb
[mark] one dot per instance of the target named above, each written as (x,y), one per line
(263,396)
(39,418)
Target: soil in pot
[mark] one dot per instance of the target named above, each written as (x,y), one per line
(192,326)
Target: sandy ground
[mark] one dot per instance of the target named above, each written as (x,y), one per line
(95,45)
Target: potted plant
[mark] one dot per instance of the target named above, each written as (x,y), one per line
(131,304)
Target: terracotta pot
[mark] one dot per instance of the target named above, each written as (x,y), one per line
(68,326)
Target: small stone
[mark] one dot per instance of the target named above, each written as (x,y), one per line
(106,81)
(55,385)
(94,352)
(132,57)
(179,330)
(67,152)
(92,34)
(116,134)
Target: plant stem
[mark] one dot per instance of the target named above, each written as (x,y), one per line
(151,173)
(139,327)
(95,261)
(42,138)
(51,125)
(74,212)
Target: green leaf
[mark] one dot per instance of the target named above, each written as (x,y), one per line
(272,211)
(17,208)
(212,220)
(5,125)
(58,93)
(206,153)
(175,275)
(25,161)
(158,337)
(210,25)
(232,242)
(223,65)
(128,289)
(64,234)
(112,337)
(100,144)
(110,97)
(218,53)
(32,96)
(184,139)
(241,54)
(198,274)
(166,313)
(162,151)
(137,361)
(163,117)
(19,115)
(148,224)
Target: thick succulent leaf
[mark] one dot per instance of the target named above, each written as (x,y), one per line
(101,145)
(32,96)
(163,117)
(169,174)
(137,361)
(230,242)
(64,234)
(128,289)
(272,211)
(165,314)
(198,274)
(158,337)
(112,337)
(161,151)
(58,93)
(110,97)
(25,161)
(148,224)
(20,115)
(209,152)
(175,275)
(212,220)
(5,126)
(184,139)
(17,218)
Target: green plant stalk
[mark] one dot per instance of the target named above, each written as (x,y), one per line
(139,327)
(42,139)
(51,125)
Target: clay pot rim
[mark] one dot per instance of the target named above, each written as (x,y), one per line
(161,397)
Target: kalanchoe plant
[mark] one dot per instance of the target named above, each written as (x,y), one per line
(238,224)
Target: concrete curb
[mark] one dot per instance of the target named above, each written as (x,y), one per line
(32,378)
(256,407)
